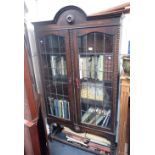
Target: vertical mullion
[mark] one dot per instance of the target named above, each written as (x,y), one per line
(86,67)
(55,79)
(49,66)
(47,69)
(94,37)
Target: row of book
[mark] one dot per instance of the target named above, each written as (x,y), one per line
(58,66)
(97,116)
(91,67)
(93,91)
(59,108)
(95,67)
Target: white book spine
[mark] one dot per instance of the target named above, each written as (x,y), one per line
(62,66)
(63,114)
(80,67)
(53,65)
(100,68)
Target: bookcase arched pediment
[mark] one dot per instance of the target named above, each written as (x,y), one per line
(70,15)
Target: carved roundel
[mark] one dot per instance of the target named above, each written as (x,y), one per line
(70,19)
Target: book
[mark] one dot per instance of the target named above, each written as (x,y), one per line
(87,114)
(93,120)
(92,68)
(60,107)
(107,121)
(88,67)
(56,109)
(100,118)
(90,117)
(53,65)
(58,66)
(91,91)
(100,68)
(65,109)
(99,93)
(63,67)
(80,67)
(51,102)
(84,68)
(84,90)
(106,117)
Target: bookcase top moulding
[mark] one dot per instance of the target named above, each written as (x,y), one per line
(71,15)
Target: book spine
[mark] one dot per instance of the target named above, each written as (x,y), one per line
(84,68)
(99,93)
(93,67)
(53,65)
(106,117)
(58,65)
(88,66)
(51,105)
(56,107)
(66,114)
(80,67)
(100,68)
(68,108)
(60,107)
(100,119)
(107,122)
(62,66)
(84,90)
(88,114)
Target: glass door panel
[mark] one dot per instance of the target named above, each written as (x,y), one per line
(56,74)
(95,51)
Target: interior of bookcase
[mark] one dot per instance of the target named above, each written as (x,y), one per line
(96,75)
(53,57)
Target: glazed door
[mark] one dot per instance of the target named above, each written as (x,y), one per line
(94,62)
(56,71)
